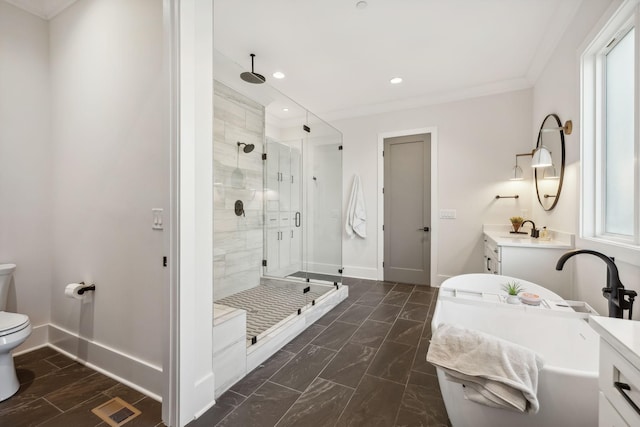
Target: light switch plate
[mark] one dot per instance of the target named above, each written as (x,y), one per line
(158,220)
(448,214)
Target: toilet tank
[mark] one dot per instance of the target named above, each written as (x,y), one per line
(6,272)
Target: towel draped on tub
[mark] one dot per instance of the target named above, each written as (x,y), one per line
(495,372)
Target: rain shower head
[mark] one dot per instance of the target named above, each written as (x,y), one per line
(247,147)
(252,77)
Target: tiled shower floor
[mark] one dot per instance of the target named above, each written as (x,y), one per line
(270,303)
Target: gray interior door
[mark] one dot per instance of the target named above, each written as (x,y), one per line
(407,209)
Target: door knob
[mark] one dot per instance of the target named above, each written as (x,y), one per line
(423,229)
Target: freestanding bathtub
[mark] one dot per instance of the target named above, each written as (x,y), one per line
(568,382)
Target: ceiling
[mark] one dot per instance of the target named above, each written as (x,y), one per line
(338,59)
(45,9)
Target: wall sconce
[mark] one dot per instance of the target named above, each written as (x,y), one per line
(541,156)
(516,172)
(567,128)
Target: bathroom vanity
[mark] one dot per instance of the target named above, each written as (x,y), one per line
(619,379)
(519,255)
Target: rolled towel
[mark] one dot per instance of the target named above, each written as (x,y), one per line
(495,372)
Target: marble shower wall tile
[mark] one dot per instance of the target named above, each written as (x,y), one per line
(238,240)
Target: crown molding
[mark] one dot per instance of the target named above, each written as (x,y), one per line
(429,99)
(45,9)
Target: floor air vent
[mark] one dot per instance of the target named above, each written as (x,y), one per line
(116,412)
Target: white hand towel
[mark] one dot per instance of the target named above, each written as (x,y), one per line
(495,372)
(356,223)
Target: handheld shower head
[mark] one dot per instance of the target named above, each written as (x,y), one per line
(247,147)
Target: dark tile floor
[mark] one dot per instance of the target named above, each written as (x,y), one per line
(56,391)
(362,364)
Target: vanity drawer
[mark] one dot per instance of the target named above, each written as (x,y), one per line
(620,383)
(491,249)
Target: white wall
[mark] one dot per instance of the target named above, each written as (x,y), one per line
(558,90)
(477,142)
(25,168)
(110,168)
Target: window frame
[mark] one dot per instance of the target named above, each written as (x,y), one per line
(593,136)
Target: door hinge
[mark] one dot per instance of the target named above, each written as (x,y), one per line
(164,261)
(383,263)
(307,289)
(340,147)
(306,128)
(382,190)
(264,262)
(382,153)
(264,156)
(382,227)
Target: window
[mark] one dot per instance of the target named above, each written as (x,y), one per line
(618,143)
(610,211)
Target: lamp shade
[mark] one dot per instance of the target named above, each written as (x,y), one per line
(541,157)
(516,173)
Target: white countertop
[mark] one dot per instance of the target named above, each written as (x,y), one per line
(501,237)
(621,334)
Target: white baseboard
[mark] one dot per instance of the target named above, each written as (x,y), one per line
(39,338)
(360,272)
(127,369)
(440,278)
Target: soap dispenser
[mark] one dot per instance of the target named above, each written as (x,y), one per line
(544,234)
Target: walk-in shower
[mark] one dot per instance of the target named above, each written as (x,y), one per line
(278,258)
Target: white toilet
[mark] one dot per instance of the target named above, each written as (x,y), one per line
(14,330)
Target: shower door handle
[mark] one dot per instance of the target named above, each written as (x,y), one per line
(423,229)
(298,219)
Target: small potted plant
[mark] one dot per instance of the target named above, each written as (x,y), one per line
(512,289)
(516,223)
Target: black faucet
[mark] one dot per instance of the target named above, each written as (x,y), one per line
(614,291)
(535,233)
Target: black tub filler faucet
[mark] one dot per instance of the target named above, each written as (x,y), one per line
(614,291)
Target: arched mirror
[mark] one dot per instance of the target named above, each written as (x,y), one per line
(549,178)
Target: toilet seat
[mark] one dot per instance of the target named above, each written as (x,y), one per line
(11,323)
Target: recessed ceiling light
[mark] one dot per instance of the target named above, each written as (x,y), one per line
(361,5)
(279,75)
(395,80)
(285,109)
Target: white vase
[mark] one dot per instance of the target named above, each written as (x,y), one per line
(513,299)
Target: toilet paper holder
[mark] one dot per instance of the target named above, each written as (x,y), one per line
(91,287)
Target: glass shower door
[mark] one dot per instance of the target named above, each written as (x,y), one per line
(322,259)
(283,200)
